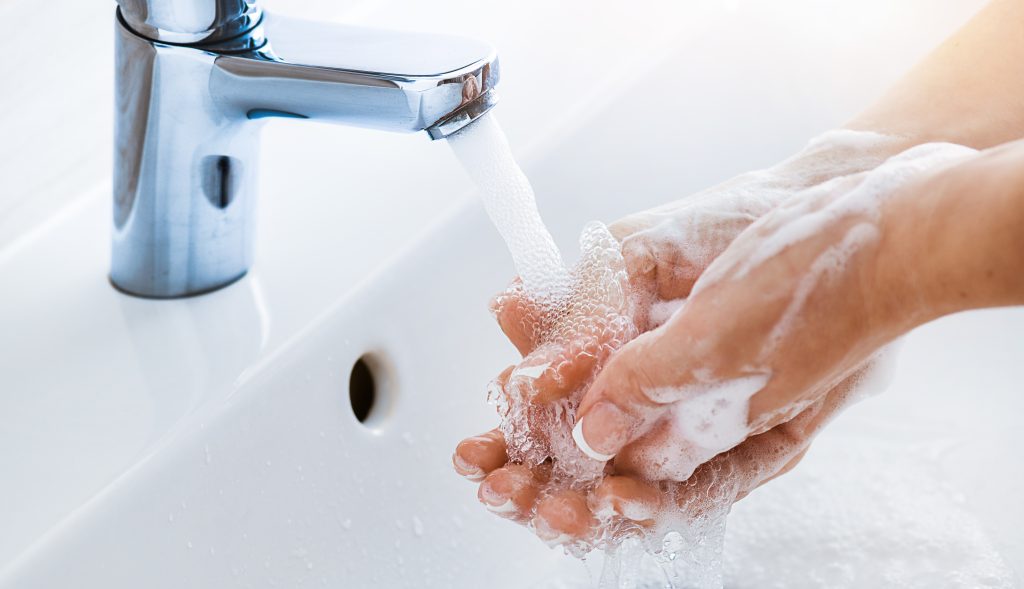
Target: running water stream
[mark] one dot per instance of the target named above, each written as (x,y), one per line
(586,309)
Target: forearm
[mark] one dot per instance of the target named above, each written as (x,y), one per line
(956,241)
(969,91)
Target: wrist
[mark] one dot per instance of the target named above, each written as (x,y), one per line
(954,240)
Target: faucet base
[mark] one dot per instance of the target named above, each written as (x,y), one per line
(161,297)
(188,118)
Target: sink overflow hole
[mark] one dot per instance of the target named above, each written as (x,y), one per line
(362,390)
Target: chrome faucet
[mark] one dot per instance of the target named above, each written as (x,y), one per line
(194,80)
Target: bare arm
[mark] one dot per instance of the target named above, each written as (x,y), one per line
(969,90)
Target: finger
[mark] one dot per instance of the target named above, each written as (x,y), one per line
(510,492)
(661,271)
(518,318)
(564,517)
(618,407)
(475,457)
(667,258)
(557,369)
(627,497)
(686,370)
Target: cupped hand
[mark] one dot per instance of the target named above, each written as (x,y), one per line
(666,250)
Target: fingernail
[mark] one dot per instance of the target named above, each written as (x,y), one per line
(464,468)
(490,497)
(507,507)
(549,535)
(581,443)
(606,430)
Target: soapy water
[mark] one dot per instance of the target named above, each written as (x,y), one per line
(589,310)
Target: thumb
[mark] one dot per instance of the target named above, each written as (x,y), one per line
(663,377)
(619,407)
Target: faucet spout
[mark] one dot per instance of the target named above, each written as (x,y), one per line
(392,81)
(188,117)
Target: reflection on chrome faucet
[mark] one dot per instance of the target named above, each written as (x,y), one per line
(194,80)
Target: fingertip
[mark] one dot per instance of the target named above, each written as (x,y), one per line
(554,371)
(627,497)
(603,430)
(475,457)
(564,517)
(567,372)
(467,470)
(586,448)
(509,492)
(516,317)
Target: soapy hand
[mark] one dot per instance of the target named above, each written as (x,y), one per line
(794,306)
(665,250)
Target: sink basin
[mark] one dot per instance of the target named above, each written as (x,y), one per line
(212,442)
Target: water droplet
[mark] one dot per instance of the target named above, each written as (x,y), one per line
(189,544)
(672,544)
(417,525)
(170,517)
(206,450)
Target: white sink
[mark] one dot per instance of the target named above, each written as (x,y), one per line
(210,442)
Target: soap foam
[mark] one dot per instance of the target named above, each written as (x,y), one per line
(808,212)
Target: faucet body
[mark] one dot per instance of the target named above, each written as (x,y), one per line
(195,79)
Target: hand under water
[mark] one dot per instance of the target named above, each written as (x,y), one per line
(666,250)
(749,318)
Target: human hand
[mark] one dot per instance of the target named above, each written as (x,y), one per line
(665,251)
(795,305)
